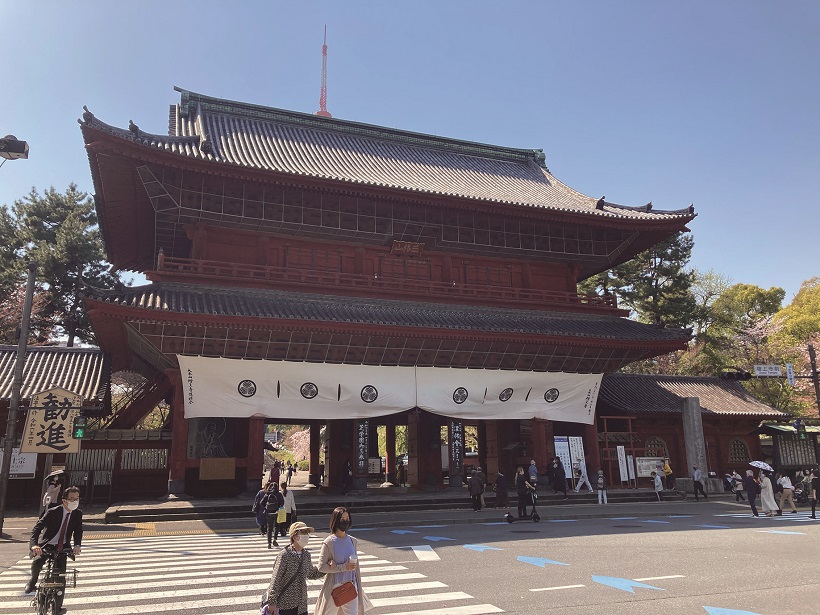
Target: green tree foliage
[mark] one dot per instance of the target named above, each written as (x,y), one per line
(800,320)
(59,232)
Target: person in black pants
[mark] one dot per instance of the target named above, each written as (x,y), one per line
(59,526)
(476,488)
(752,489)
(815,487)
(523,489)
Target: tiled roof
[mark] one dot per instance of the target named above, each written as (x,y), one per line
(305,145)
(85,371)
(211,300)
(649,394)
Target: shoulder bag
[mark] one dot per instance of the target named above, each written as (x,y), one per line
(346,592)
(286,585)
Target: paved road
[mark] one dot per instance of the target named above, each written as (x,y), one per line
(668,565)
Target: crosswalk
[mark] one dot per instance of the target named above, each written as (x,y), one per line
(218,573)
(799,516)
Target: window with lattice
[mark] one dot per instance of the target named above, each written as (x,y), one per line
(739,451)
(656,447)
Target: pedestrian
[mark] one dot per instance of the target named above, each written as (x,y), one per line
(483,478)
(583,479)
(275,502)
(287,592)
(476,488)
(290,508)
(522,488)
(669,476)
(321,473)
(697,480)
(401,473)
(814,478)
(737,486)
(289,472)
(559,477)
(601,486)
(258,508)
(533,474)
(54,490)
(752,488)
(787,495)
(339,560)
(657,484)
(347,477)
(59,527)
(767,501)
(502,498)
(275,473)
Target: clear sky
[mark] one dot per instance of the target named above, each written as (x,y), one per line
(711,103)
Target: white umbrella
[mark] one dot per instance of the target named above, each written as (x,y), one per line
(762,465)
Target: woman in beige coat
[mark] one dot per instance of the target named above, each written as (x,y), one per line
(339,559)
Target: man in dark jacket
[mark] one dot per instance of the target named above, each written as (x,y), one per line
(59,527)
(752,489)
(476,488)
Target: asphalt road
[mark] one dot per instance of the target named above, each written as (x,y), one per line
(719,560)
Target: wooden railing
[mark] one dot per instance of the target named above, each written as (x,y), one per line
(334,281)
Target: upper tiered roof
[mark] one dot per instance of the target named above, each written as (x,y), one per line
(302,145)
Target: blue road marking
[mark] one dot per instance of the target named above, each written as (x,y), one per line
(425,527)
(621,518)
(717,611)
(679,516)
(539,561)
(496,523)
(623,584)
(403,532)
(653,521)
(437,538)
(481,548)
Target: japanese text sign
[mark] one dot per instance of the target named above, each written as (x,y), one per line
(49,420)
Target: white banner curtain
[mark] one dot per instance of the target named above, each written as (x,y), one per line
(299,390)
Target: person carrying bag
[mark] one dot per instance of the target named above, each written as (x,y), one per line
(287,592)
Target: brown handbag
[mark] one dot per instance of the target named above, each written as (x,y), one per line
(343,594)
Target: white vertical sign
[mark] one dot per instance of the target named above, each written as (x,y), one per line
(622,464)
(630,466)
(576,450)
(562,452)
(790,373)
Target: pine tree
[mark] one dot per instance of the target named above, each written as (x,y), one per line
(59,232)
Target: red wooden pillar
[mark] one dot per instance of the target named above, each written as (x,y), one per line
(539,444)
(179,436)
(256,454)
(315,444)
(592,447)
(491,445)
(390,453)
(413,448)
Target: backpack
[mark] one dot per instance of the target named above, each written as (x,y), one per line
(600,482)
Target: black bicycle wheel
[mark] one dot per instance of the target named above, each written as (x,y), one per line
(51,604)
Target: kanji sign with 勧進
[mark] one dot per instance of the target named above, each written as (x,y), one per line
(49,420)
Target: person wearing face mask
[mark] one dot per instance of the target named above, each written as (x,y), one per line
(339,560)
(559,477)
(59,528)
(287,592)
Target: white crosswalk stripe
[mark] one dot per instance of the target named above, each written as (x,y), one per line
(220,573)
(800,515)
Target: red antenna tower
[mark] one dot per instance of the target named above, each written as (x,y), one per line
(323,96)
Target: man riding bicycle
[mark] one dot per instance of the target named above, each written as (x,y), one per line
(59,527)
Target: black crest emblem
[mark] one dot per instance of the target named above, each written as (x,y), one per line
(369,394)
(551,395)
(460,395)
(505,394)
(247,388)
(309,390)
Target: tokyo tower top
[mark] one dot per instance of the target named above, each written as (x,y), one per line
(323,96)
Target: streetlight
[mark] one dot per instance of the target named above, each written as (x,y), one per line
(11,148)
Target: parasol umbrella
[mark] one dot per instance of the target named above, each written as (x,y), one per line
(762,465)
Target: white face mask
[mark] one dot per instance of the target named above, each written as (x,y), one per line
(303,540)
(72,505)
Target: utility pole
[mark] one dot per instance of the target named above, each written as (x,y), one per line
(814,376)
(14,403)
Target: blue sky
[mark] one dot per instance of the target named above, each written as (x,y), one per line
(711,103)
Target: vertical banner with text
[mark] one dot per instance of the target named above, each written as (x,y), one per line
(362,446)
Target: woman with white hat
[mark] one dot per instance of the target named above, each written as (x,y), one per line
(287,592)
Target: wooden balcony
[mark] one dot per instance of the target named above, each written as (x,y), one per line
(333,282)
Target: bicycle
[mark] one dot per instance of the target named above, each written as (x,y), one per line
(53,583)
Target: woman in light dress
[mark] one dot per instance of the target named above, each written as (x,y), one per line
(767,501)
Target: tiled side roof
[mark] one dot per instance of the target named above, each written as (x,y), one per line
(648,394)
(85,371)
(306,145)
(210,300)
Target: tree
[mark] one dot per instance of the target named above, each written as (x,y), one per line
(59,232)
